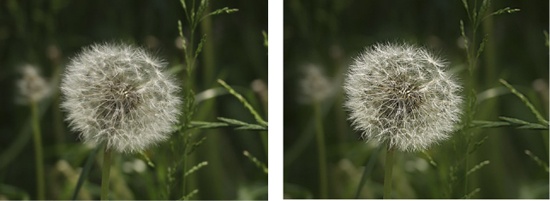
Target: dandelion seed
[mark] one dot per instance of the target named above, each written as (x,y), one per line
(401,95)
(119,94)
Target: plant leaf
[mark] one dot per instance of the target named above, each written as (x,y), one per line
(225,10)
(207,125)
(257,162)
(537,160)
(525,101)
(477,167)
(196,168)
(469,195)
(85,171)
(245,103)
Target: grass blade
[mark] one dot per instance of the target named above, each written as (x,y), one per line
(368,169)
(85,171)
(525,101)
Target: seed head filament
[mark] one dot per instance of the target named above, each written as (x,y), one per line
(399,101)
(121,99)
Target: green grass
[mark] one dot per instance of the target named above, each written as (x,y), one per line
(197,162)
(485,158)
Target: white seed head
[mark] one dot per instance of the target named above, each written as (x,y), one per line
(32,86)
(119,94)
(401,94)
(314,86)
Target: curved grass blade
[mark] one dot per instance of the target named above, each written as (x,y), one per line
(525,101)
(368,169)
(245,103)
(85,171)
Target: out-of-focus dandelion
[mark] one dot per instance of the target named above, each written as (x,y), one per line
(119,95)
(315,85)
(401,95)
(33,88)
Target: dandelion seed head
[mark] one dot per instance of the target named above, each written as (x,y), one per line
(119,94)
(315,85)
(32,86)
(401,94)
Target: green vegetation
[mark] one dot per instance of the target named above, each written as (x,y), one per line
(498,51)
(217,50)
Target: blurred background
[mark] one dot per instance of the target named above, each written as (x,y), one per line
(46,34)
(321,39)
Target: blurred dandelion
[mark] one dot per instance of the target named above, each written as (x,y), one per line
(32,86)
(402,95)
(315,85)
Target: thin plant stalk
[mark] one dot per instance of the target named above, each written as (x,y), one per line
(184,169)
(367,170)
(323,187)
(388,172)
(40,182)
(106,171)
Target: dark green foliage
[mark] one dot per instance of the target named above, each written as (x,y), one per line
(229,45)
(482,40)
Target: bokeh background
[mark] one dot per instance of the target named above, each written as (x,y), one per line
(326,35)
(46,34)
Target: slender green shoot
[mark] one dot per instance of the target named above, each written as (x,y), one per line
(257,162)
(244,101)
(525,101)
(537,160)
(85,171)
(367,170)
(388,172)
(40,181)
(323,187)
(105,173)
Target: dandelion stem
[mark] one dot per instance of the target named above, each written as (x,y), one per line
(388,172)
(323,187)
(106,171)
(38,152)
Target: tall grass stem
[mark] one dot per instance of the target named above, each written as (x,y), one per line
(40,182)
(388,172)
(367,171)
(106,171)
(323,187)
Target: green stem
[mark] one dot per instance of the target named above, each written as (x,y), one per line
(388,172)
(466,167)
(367,170)
(207,51)
(184,170)
(40,182)
(106,171)
(323,188)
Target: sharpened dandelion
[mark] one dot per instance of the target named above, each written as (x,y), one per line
(119,95)
(401,95)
